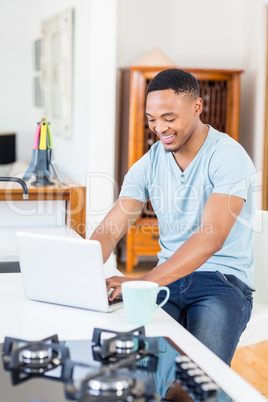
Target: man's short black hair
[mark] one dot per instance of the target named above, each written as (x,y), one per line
(180,81)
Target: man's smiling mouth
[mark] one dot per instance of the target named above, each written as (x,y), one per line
(167,138)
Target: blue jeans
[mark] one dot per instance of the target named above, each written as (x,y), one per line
(214,307)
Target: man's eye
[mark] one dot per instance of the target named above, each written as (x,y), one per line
(151,120)
(169,121)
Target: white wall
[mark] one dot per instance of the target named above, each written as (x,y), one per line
(192,33)
(15,78)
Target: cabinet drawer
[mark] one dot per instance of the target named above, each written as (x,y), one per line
(145,237)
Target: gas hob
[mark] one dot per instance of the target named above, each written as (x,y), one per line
(121,367)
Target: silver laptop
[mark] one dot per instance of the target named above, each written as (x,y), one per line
(65,271)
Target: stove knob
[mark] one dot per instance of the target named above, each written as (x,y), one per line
(209,390)
(204,387)
(181,370)
(192,373)
(179,360)
(182,373)
(182,359)
(188,366)
(202,379)
(195,372)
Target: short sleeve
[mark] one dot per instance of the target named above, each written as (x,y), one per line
(135,183)
(231,171)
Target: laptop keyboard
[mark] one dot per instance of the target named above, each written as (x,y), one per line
(117,299)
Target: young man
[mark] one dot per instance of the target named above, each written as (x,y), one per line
(200,185)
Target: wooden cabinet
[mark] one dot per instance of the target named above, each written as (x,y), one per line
(219,90)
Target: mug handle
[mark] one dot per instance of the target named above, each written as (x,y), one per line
(166,298)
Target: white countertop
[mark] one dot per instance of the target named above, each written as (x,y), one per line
(32,320)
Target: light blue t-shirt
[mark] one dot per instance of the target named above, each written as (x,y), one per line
(178,198)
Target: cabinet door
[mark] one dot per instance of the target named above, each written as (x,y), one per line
(220,91)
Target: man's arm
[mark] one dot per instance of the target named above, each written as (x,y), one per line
(116,223)
(218,218)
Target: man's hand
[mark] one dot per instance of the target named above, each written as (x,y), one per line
(115,283)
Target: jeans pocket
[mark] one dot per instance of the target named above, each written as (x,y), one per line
(236,284)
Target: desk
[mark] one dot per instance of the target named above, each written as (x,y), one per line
(32,320)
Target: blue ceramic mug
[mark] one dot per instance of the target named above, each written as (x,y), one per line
(139,299)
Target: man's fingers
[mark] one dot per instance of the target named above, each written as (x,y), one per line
(114,293)
(111,283)
(114,283)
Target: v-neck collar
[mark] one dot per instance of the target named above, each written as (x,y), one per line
(196,158)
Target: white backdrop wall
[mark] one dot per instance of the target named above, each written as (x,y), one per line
(15,73)
(192,33)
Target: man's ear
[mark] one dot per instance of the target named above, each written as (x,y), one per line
(198,106)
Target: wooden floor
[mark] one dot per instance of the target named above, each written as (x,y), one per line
(250,362)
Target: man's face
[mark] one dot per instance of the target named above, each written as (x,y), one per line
(173,118)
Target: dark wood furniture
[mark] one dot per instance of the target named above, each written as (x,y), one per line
(220,91)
